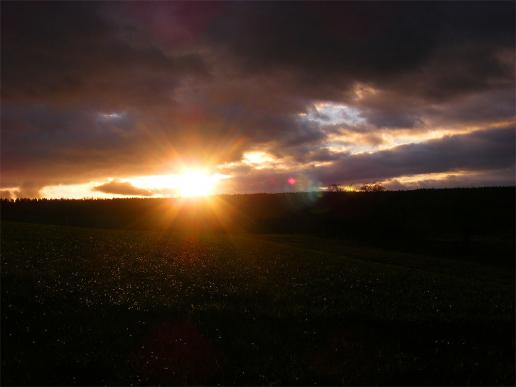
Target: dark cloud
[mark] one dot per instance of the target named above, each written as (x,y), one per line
(484,155)
(69,54)
(122,188)
(98,89)
(55,145)
(482,150)
(344,42)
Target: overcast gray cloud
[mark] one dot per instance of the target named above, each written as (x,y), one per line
(125,89)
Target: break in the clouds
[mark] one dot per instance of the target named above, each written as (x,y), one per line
(337,92)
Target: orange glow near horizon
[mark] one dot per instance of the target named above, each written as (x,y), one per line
(187,183)
(196,184)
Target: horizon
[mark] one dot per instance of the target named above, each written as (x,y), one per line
(193,199)
(167,99)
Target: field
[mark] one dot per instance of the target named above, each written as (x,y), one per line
(94,305)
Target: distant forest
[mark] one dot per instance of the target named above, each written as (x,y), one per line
(469,223)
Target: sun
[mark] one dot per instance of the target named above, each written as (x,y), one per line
(196,184)
(186,183)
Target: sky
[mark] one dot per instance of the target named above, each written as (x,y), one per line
(122,99)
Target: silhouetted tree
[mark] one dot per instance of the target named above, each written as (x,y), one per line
(374,187)
(334,188)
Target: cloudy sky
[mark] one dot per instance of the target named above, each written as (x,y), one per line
(121,98)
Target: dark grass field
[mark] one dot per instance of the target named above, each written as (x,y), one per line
(90,306)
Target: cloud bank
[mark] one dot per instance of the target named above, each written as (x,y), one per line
(336,92)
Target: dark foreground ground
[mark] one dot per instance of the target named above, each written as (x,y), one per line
(86,305)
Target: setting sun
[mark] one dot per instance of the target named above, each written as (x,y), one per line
(186,183)
(196,183)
